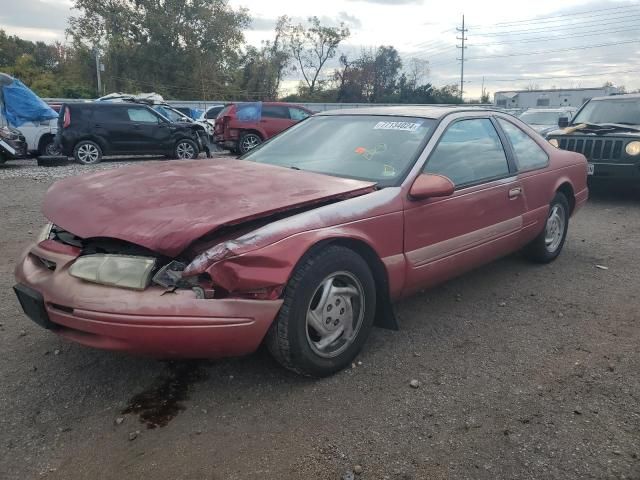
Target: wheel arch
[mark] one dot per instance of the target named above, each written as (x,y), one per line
(261,134)
(43,138)
(567,190)
(100,141)
(385,316)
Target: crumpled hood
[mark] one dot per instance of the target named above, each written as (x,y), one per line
(164,206)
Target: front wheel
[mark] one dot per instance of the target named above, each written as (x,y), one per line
(87,152)
(327,314)
(186,149)
(547,246)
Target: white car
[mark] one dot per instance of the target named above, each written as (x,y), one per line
(40,137)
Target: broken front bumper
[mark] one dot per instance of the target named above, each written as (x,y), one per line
(149,322)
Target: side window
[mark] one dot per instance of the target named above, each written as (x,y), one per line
(274,111)
(110,114)
(469,152)
(297,114)
(142,115)
(529,154)
(212,113)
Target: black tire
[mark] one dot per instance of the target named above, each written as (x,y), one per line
(540,250)
(248,141)
(87,152)
(186,149)
(48,148)
(290,338)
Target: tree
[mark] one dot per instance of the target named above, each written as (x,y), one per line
(312,46)
(263,69)
(186,48)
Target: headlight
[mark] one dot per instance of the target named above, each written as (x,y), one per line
(8,134)
(117,270)
(45,233)
(632,148)
(554,142)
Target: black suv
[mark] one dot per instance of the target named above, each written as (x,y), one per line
(87,131)
(606,130)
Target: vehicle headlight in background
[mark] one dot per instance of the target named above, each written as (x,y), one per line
(554,142)
(118,270)
(45,233)
(632,148)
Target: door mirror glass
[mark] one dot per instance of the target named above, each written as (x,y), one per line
(428,185)
(563,122)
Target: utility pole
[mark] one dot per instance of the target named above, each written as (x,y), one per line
(97,52)
(462,48)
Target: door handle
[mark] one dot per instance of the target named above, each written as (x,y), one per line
(515,192)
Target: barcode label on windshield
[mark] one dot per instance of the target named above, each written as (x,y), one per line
(405,126)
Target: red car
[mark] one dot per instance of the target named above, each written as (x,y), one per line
(305,243)
(240,135)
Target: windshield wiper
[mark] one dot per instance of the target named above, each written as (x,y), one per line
(609,127)
(294,168)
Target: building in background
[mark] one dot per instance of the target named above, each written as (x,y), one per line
(552,98)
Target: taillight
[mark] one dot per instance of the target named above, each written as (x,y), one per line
(67,117)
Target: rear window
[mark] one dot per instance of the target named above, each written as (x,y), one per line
(212,113)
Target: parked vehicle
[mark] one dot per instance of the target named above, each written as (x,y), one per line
(12,144)
(544,120)
(606,130)
(211,113)
(238,134)
(304,243)
(156,102)
(87,131)
(24,117)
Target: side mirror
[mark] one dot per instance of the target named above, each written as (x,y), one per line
(428,185)
(563,122)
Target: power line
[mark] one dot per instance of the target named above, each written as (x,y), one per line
(601,74)
(583,47)
(562,16)
(593,33)
(589,24)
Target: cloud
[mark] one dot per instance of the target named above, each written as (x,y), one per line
(265,24)
(391,2)
(34,14)
(350,20)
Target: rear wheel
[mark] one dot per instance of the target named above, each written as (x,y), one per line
(186,149)
(248,141)
(547,246)
(87,152)
(327,314)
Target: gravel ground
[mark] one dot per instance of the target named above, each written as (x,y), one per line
(522,372)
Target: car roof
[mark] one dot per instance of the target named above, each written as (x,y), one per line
(422,111)
(629,96)
(559,109)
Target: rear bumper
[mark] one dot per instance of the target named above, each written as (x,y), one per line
(171,325)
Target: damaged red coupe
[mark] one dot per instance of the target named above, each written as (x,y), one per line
(304,243)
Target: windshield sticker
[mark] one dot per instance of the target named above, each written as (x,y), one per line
(404,126)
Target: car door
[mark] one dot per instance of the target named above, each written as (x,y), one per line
(148,131)
(483,218)
(275,119)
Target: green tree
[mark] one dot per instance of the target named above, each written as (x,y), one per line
(179,48)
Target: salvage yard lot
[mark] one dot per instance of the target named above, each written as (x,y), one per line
(524,371)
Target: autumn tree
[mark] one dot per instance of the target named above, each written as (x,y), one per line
(312,46)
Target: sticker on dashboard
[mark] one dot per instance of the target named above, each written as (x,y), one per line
(404,126)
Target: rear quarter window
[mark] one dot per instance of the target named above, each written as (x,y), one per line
(529,155)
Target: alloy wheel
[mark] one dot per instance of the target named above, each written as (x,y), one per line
(88,153)
(185,151)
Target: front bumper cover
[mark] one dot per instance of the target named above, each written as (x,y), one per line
(151,322)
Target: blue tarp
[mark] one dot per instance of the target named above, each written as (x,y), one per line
(249,112)
(21,105)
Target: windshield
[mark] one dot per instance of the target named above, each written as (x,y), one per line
(373,148)
(543,118)
(169,113)
(624,111)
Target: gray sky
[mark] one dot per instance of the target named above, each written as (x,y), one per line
(547,43)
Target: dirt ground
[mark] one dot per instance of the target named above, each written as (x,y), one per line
(525,372)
